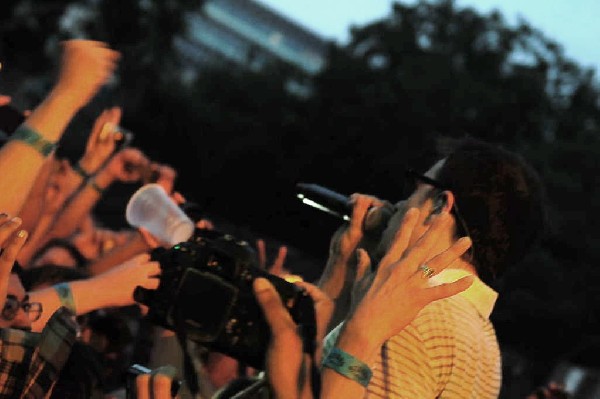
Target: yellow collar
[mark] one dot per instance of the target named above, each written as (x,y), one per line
(479,294)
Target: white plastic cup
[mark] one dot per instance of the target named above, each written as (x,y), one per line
(151,207)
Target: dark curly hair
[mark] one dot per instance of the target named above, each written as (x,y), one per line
(501,199)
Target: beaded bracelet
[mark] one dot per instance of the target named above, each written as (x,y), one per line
(33,139)
(348,366)
(63,290)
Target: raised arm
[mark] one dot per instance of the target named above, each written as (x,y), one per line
(81,203)
(372,321)
(85,67)
(340,271)
(113,288)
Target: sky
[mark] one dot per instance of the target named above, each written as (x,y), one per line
(574,24)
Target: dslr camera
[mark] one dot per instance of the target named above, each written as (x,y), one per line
(205,295)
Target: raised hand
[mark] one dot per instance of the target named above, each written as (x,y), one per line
(101,141)
(122,280)
(340,271)
(286,366)
(400,281)
(324,307)
(277,267)
(127,165)
(11,242)
(86,65)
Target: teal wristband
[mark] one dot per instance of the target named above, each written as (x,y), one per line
(348,366)
(65,295)
(32,138)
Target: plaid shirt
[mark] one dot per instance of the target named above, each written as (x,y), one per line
(31,362)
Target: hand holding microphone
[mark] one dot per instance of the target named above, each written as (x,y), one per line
(339,205)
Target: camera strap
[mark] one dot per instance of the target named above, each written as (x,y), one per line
(189,370)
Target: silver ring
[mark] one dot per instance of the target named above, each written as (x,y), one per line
(426,271)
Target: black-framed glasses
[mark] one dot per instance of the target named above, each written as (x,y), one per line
(12,306)
(414,178)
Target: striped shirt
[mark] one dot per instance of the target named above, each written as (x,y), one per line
(449,351)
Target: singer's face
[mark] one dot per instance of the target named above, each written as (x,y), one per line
(419,198)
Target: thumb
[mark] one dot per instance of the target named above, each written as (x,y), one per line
(363,264)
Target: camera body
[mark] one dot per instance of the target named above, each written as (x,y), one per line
(205,294)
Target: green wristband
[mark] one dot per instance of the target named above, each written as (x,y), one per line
(65,295)
(348,366)
(32,138)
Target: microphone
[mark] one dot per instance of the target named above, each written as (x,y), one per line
(325,199)
(338,205)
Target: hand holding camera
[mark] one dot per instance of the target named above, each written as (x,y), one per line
(205,294)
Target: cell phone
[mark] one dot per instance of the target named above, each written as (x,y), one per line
(10,118)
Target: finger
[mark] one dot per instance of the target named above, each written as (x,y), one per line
(448,289)
(277,268)
(8,228)
(324,306)
(137,260)
(4,100)
(276,314)
(115,115)
(444,259)
(151,283)
(401,239)
(96,129)
(150,240)
(262,253)
(420,251)
(177,197)
(153,269)
(313,291)
(161,385)
(361,205)
(142,383)
(4,218)
(364,264)
(11,250)
(106,132)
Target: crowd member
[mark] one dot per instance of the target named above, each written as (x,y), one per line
(215,371)
(398,279)
(495,192)
(450,349)
(58,251)
(51,311)
(59,181)
(37,329)
(85,67)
